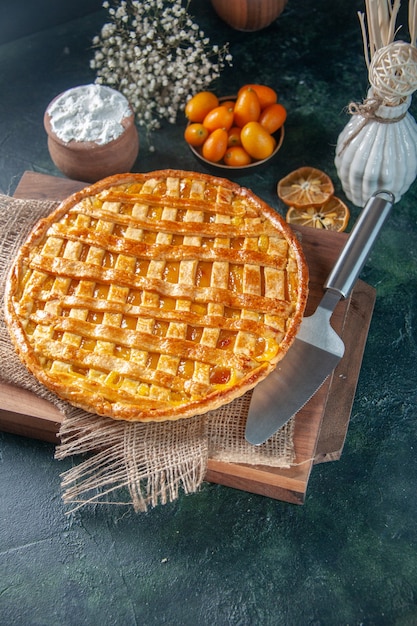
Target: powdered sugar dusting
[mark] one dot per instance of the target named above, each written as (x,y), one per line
(89,113)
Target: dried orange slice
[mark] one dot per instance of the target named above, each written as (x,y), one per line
(305,187)
(332,215)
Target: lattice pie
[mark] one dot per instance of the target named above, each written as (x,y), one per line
(156,296)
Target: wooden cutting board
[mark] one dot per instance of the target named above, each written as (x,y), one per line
(320,427)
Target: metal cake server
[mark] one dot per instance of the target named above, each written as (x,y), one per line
(317,348)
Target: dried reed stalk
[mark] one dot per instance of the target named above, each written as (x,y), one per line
(381,18)
(392,65)
(412,21)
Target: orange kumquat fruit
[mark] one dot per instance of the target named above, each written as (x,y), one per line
(219,117)
(234,136)
(195,134)
(247,108)
(273,117)
(202,103)
(230,104)
(215,146)
(236,156)
(257,141)
(266,95)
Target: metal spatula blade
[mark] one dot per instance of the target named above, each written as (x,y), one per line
(317,348)
(298,376)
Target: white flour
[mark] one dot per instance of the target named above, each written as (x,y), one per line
(89,113)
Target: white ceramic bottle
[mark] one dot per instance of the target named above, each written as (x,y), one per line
(377,151)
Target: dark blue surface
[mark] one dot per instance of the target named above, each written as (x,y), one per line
(348,556)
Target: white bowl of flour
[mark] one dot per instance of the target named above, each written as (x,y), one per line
(91,132)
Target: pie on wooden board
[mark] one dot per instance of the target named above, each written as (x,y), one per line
(156,296)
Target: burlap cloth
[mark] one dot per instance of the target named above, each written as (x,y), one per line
(140,464)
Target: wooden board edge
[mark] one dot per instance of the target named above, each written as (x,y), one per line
(345,377)
(254,479)
(58,187)
(34,428)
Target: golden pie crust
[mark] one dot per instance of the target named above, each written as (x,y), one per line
(156,296)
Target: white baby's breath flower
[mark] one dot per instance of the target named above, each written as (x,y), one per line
(157,56)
